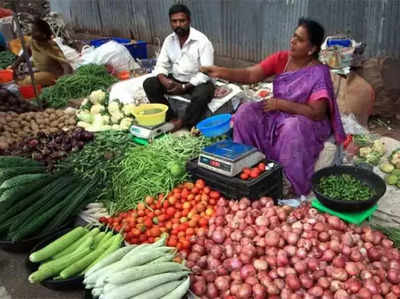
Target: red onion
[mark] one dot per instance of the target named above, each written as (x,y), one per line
(272,238)
(306,280)
(293,282)
(244,203)
(260,264)
(292,238)
(328,255)
(244,258)
(251,280)
(245,291)
(246,271)
(341,294)
(393,275)
(323,236)
(218,236)
(339,274)
(249,232)
(375,253)
(352,268)
(261,231)
(262,221)
(209,275)
(324,282)
(212,262)
(222,283)
(316,291)
(339,261)
(259,291)
(198,248)
(300,267)
(353,285)
(212,291)
(199,288)
(219,212)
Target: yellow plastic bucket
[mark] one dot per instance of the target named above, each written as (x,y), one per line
(150,114)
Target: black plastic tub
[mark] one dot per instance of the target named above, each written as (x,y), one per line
(366,176)
(70,284)
(269,183)
(28,244)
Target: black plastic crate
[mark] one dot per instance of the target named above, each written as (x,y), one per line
(269,183)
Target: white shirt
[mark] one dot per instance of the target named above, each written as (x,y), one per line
(184,63)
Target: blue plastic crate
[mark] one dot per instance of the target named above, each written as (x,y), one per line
(137,49)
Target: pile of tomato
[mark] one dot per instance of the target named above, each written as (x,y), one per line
(183,213)
(252,173)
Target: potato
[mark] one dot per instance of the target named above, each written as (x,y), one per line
(14,124)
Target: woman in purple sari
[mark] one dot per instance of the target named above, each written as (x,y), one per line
(292,127)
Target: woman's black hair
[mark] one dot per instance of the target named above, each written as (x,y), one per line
(176,8)
(315,31)
(43,27)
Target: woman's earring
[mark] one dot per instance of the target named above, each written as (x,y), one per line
(310,53)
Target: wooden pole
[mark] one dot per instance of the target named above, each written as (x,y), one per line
(20,34)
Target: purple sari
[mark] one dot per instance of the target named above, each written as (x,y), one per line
(293,140)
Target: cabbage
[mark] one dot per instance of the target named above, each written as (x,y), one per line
(83,124)
(106,119)
(85,116)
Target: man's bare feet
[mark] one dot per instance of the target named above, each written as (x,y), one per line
(178,124)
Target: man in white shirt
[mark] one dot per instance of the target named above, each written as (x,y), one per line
(178,69)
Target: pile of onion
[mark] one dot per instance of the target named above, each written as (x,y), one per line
(259,250)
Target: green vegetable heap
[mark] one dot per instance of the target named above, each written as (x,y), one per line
(344,187)
(6,58)
(154,169)
(86,79)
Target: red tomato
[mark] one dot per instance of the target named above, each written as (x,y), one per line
(244,176)
(170,211)
(246,170)
(200,183)
(261,167)
(149,200)
(214,194)
(255,172)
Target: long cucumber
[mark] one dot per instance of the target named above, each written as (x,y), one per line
(16,161)
(6,174)
(37,203)
(137,287)
(21,180)
(57,245)
(75,200)
(32,227)
(80,265)
(46,272)
(159,291)
(23,204)
(112,258)
(140,272)
(117,240)
(92,233)
(180,291)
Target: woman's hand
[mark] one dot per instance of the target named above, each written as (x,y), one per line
(271,105)
(212,71)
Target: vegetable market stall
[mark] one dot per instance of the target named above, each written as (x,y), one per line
(154,233)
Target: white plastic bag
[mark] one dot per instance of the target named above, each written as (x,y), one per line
(70,54)
(351,126)
(130,91)
(111,53)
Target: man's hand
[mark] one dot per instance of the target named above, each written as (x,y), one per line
(166,82)
(176,89)
(271,104)
(212,71)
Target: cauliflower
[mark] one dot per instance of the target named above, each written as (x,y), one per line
(85,116)
(127,109)
(113,107)
(115,127)
(97,109)
(106,119)
(379,146)
(85,102)
(364,151)
(125,123)
(97,96)
(116,117)
(98,120)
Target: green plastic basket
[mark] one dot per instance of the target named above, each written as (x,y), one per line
(356,218)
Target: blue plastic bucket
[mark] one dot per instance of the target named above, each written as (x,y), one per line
(215,125)
(137,49)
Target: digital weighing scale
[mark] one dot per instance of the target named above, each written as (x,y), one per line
(229,158)
(149,133)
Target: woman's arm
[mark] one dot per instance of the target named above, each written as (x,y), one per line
(247,75)
(315,110)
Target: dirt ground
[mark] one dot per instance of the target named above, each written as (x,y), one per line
(388,127)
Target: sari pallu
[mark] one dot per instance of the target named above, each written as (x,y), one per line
(293,140)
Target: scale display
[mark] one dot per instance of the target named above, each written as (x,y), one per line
(229,158)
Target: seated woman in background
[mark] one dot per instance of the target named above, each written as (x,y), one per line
(48,59)
(291,127)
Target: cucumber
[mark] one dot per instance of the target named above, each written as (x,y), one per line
(43,203)
(15,161)
(58,245)
(8,173)
(21,180)
(74,200)
(13,195)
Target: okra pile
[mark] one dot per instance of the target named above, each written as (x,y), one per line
(345,187)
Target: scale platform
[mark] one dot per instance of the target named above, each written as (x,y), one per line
(149,133)
(229,158)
